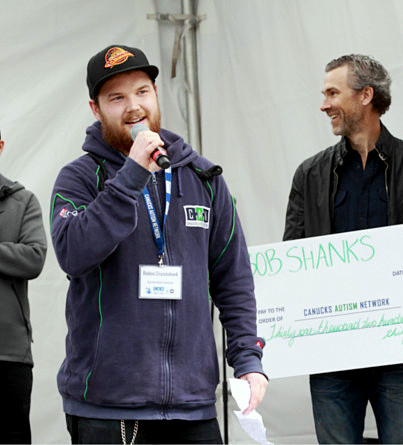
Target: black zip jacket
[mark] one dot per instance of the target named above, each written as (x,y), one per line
(311,201)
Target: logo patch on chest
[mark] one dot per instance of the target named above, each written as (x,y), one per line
(197,216)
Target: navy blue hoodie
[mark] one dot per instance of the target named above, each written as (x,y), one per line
(133,358)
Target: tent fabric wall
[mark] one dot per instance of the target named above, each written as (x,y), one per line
(261,66)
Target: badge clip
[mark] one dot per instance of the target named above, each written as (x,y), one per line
(161,260)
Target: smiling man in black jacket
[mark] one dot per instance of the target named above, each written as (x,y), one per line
(355,184)
(22,255)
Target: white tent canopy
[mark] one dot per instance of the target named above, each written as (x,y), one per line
(260,67)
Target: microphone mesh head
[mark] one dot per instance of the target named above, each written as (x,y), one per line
(137,128)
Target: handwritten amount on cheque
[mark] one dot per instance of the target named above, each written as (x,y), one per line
(291,334)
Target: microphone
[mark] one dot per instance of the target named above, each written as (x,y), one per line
(157,156)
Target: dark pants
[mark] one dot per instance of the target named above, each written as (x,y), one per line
(340,400)
(15,402)
(96,431)
(92,431)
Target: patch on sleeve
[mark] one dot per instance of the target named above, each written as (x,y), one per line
(260,344)
(64,213)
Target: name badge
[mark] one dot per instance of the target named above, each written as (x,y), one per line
(160,282)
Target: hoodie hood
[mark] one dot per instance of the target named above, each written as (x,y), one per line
(8,187)
(179,152)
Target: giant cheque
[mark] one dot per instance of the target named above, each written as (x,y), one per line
(330,303)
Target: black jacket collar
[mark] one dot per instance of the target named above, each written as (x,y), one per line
(383,145)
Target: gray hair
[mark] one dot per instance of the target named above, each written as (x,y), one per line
(365,71)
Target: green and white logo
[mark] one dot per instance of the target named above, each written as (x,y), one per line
(197,216)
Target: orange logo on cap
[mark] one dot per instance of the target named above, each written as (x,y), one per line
(116,56)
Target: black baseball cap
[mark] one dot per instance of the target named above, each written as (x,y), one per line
(116,59)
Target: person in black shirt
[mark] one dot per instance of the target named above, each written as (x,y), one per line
(355,184)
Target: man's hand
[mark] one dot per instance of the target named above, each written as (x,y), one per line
(258,384)
(144,144)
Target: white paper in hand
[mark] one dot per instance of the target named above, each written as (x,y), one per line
(251,423)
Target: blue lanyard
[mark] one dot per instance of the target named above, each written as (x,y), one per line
(158,233)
